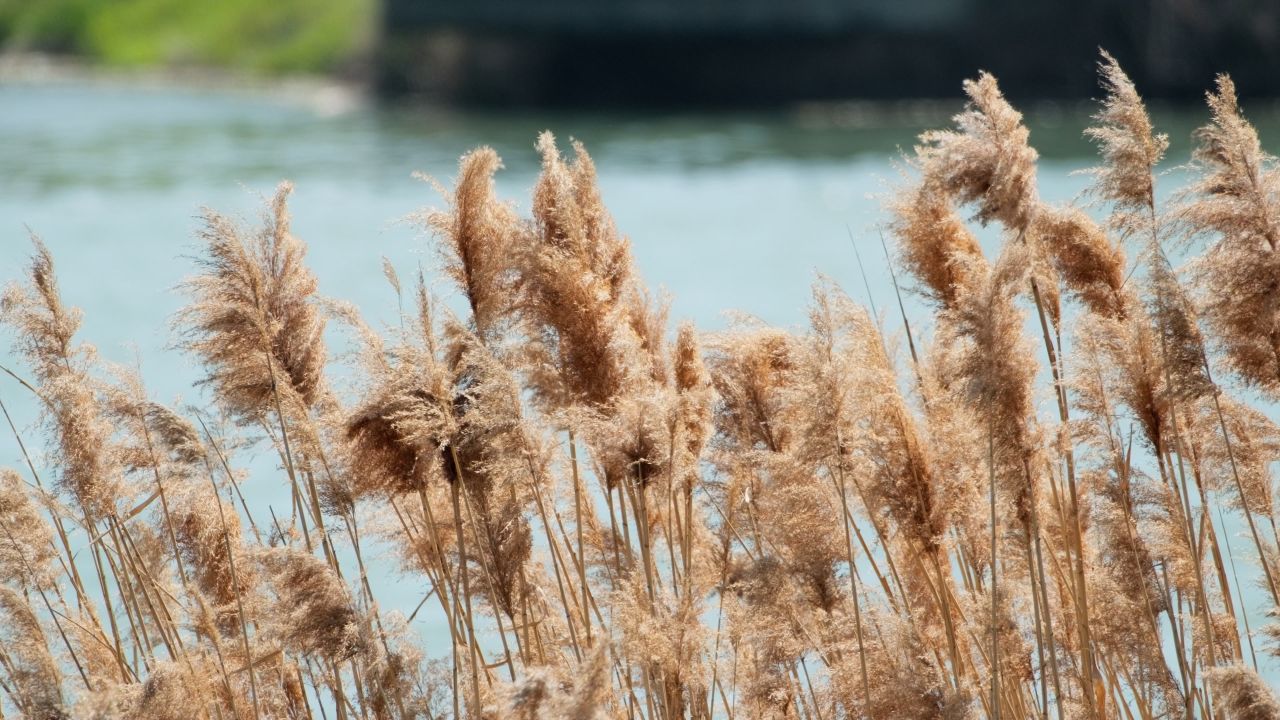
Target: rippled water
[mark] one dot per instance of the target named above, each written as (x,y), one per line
(725,212)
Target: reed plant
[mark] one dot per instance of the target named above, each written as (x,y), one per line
(1056,503)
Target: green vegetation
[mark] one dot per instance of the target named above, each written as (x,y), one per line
(272,37)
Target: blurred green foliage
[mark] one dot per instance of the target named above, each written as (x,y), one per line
(271,36)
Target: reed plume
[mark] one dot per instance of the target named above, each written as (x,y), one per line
(986,160)
(478,236)
(489,454)
(1130,150)
(33,680)
(398,434)
(252,320)
(1242,695)
(207,548)
(933,242)
(987,355)
(1233,205)
(574,280)
(873,421)
(693,415)
(606,513)
(313,611)
(174,691)
(45,328)
(1086,260)
(27,550)
(538,698)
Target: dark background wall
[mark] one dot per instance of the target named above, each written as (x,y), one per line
(712,53)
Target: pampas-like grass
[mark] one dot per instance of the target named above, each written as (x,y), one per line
(46,329)
(313,610)
(1088,262)
(35,681)
(986,160)
(1242,695)
(538,697)
(1235,205)
(251,320)
(478,233)
(933,242)
(607,515)
(1130,150)
(27,551)
(207,551)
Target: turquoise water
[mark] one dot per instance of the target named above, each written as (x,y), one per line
(724,212)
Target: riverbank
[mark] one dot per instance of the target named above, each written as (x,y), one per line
(324,94)
(280,37)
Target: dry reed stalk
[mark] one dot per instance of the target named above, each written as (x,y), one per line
(997,566)
(1233,203)
(987,161)
(1130,150)
(89,469)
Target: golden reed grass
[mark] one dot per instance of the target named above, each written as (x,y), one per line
(1030,516)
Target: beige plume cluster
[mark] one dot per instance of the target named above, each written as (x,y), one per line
(1057,504)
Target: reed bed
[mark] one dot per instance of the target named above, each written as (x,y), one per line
(1056,502)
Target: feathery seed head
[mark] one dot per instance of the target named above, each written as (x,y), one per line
(1242,695)
(26,541)
(314,612)
(932,241)
(44,326)
(1129,146)
(33,680)
(206,548)
(1235,202)
(986,159)
(1090,265)
(477,232)
(71,404)
(253,320)
(578,285)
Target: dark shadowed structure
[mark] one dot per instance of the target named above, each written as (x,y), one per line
(718,53)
